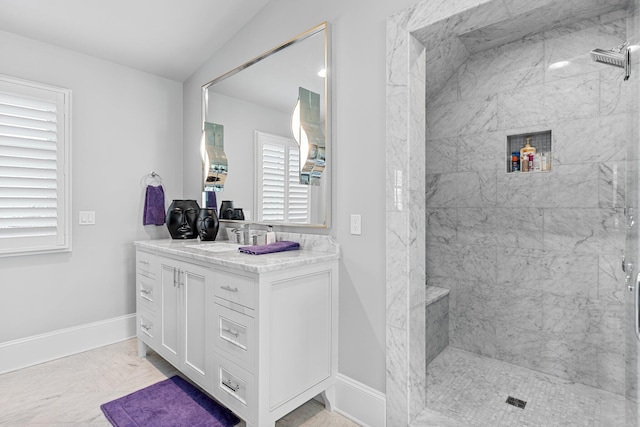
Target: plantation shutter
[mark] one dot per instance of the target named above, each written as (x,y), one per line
(282,198)
(273,182)
(298,201)
(33,168)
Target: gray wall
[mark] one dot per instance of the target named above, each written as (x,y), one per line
(125,123)
(532,260)
(240,119)
(359,155)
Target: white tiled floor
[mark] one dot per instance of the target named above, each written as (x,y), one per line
(69,391)
(465,389)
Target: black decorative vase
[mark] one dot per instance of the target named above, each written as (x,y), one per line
(208,224)
(182,217)
(226,209)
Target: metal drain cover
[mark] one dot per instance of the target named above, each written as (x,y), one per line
(516,402)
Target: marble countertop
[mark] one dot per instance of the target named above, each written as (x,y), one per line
(226,254)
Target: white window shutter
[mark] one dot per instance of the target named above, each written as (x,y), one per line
(34,166)
(273,182)
(298,200)
(282,198)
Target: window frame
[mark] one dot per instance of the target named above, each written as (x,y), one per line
(26,89)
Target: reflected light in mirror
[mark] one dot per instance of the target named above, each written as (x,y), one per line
(322,73)
(299,134)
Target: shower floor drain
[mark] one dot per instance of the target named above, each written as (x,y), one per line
(516,402)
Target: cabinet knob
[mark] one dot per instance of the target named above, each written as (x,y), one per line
(229,288)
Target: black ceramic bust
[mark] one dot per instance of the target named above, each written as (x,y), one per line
(181,219)
(208,224)
(226,209)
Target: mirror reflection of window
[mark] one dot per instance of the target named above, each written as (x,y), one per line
(282,198)
(260,95)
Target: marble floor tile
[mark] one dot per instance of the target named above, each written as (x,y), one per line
(465,389)
(69,391)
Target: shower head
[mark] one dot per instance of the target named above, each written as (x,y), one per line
(609,57)
(618,57)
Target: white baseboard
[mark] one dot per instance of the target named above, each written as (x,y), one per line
(360,403)
(37,349)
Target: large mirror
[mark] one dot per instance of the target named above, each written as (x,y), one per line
(251,107)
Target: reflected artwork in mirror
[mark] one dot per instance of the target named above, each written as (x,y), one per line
(255,104)
(215,161)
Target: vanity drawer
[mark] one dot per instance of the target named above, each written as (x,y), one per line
(234,387)
(146,294)
(147,326)
(235,288)
(146,264)
(234,335)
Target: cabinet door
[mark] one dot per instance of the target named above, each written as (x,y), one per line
(300,328)
(169,318)
(193,284)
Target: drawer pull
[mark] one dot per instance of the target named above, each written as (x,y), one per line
(229,288)
(231,332)
(145,291)
(230,386)
(145,327)
(143,261)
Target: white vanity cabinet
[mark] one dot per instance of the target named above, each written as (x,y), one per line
(274,340)
(147,298)
(182,323)
(258,333)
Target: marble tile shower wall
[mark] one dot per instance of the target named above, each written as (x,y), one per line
(533,260)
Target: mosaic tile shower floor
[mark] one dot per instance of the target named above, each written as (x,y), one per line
(465,389)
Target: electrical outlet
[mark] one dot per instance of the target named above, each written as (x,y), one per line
(356,224)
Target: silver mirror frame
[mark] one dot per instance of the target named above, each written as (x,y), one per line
(324,26)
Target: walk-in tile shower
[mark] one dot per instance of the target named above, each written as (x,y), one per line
(535,326)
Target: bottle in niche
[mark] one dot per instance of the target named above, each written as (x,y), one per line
(525,152)
(537,162)
(548,161)
(515,162)
(531,162)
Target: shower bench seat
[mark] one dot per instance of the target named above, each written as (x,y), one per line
(437,318)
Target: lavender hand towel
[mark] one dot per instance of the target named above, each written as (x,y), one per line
(270,248)
(154,206)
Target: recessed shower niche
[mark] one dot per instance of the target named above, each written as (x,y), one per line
(529,152)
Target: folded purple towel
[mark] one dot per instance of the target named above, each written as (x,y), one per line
(154,206)
(270,248)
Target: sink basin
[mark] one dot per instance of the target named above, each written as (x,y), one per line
(218,247)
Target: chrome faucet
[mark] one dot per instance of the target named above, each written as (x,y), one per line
(246,233)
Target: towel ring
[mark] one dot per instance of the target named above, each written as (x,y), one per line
(152,178)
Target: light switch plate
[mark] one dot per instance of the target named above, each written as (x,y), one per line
(87,217)
(356,224)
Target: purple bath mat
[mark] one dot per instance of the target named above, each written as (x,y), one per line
(170,403)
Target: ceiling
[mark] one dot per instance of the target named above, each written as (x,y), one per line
(169,38)
(491,23)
